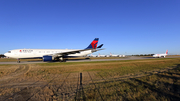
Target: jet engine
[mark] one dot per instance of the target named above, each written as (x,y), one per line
(48,58)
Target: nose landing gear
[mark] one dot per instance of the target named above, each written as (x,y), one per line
(18,61)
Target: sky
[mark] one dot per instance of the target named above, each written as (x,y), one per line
(123,26)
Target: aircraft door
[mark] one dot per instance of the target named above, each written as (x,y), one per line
(34,52)
(15,53)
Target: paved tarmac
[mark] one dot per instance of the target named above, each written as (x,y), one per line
(86,60)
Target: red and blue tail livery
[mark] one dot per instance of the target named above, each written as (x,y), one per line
(93,44)
(167,52)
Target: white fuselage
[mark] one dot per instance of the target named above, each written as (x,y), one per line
(101,55)
(92,55)
(159,55)
(39,53)
(114,55)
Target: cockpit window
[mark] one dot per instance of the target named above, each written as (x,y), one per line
(9,51)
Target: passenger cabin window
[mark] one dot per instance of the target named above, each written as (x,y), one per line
(9,51)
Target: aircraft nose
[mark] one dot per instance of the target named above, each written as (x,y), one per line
(5,54)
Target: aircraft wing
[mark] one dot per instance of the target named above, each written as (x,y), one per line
(95,50)
(69,52)
(93,47)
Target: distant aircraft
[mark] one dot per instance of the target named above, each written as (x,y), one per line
(161,55)
(107,55)
(113,55)
(92,55)
(53,54)
(101,55)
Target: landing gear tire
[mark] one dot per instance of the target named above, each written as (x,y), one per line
(62,59)
(18,61)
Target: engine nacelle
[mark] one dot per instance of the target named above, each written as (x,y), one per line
(47,58)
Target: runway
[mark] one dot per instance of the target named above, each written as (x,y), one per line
(88,60)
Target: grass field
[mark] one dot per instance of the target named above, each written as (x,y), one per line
(150,79)
(80,58)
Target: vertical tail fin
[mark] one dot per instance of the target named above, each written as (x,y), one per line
(166,51)
(93,44)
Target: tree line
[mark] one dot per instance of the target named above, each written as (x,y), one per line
(1,55)
(143,55)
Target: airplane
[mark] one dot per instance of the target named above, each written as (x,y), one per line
(53,54)
(107,55)
(113,55)
(101,55)
(92,55)
(161,55)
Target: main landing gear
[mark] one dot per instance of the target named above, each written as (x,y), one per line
(61,59)
(18,61)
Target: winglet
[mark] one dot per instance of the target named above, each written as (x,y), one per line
(93,44)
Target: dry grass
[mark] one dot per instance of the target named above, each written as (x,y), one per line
(79,58)
(156,79)
(162,86)
(115,68)
(14,60)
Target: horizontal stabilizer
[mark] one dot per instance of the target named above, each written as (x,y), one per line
(100,46)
